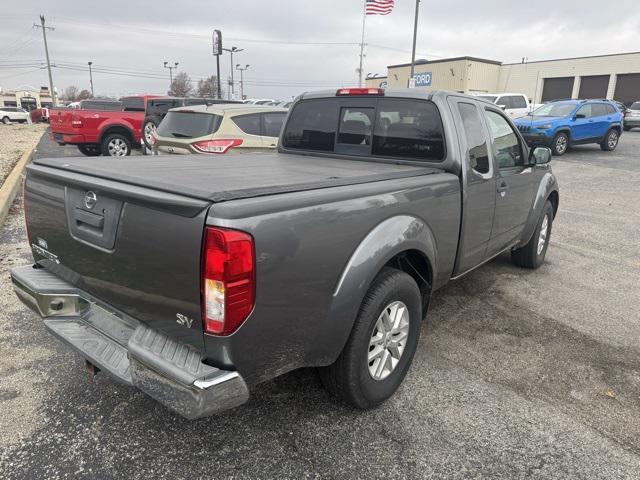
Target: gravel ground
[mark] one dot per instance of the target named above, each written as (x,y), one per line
(518,374)
(15,139)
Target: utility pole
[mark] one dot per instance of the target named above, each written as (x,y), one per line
(242,79)
(166,65)
(91,78)
(415,34)
(44,28)
(364,18)
(232,50)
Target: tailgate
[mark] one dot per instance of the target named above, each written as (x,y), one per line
(60,121)
(135,249)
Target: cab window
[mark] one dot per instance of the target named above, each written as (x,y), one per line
(585,110)
(506,145)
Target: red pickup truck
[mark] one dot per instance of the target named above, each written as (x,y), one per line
(101,131)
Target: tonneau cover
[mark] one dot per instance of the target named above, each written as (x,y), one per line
(234,176)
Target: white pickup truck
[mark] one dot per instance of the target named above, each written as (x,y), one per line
(514,104)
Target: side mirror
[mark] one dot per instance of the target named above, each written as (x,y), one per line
(580,115)
(540,156)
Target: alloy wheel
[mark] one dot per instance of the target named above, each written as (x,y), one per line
(388,340)
(542,238)
(117,147)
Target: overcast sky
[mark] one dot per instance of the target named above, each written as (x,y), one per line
(130,40)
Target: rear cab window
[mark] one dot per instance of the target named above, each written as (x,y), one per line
(133,104)
(408,129)
(187,124)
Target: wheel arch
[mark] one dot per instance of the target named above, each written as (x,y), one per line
(404,242)
(122,129)
(547,191)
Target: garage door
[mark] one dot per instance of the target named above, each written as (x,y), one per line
(594,86)
(628,88)
(556,88)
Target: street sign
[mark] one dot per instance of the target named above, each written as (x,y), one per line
(422,79)
(217,42)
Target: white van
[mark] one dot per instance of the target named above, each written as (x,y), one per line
(514,104)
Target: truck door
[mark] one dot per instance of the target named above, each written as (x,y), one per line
(479,185)
(515,183)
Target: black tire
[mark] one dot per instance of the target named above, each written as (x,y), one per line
(6,120)
(610,140)
(149,123)
(528,256)
(349,377)
(109,142)
(560,144)
(90,149)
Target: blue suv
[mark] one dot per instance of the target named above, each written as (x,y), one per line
(563,123)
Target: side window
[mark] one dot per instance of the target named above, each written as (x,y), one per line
(518,101)
(133,104)
(312,126)
(506,101)
(355,126)
(611,110)
(601,110)
(248,123)
(408,129)
(585,110)
(273,123)
(506,146)
(478,152)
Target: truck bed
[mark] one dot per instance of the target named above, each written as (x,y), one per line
(235,176)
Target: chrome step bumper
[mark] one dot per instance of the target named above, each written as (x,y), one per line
(171,372)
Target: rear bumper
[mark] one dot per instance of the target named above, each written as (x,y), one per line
(171,372)
(63,138)
(632,122)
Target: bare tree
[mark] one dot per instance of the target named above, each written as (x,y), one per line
(71,93)
(181,86)
(84,94)
(208,87)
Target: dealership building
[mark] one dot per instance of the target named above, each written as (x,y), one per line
(28,98)
(614,76)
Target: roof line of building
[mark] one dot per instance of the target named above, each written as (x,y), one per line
(574,58)
(441,60)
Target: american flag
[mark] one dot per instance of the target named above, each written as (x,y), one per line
(378,7)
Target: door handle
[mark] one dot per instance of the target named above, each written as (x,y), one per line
(502,188)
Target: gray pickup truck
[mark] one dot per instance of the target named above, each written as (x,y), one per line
(194,278)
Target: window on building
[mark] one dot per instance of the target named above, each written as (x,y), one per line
(477,150)
(506,146)
(408,129)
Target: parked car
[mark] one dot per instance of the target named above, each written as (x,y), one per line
(39,115)
(157,108)
(195,280)
(218,128)
(110,129)
(632,116)
(13,114)
(515,105)
(561,124)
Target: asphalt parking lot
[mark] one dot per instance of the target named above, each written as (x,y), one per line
(519,374)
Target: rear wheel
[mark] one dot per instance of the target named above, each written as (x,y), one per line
(89,149)
(382,343)
(560,144)
(116,145)
(610,141)
(533,253)
(148,129)
(6,120)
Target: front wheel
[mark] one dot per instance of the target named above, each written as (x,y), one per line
(560,144)
(381,346)
(610,140)
(6,120)
(533,253)
(116,145)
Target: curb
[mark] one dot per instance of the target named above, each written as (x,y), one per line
(12,184)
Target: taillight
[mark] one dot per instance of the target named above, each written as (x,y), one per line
(228,280)
(360,91)
(217,146)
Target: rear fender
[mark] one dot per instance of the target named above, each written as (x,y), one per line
(389,238)
(548,184)
(109,127)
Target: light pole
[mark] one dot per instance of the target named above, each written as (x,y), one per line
(232,50)
(238,67)
(91,79)
(166,65)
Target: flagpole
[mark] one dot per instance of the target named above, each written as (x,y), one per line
(364,17)
(415,34)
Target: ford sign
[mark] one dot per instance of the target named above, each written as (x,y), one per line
(422,79)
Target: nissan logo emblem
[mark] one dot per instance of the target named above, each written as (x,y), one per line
(90,200)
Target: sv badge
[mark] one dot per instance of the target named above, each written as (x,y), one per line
(184,320)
